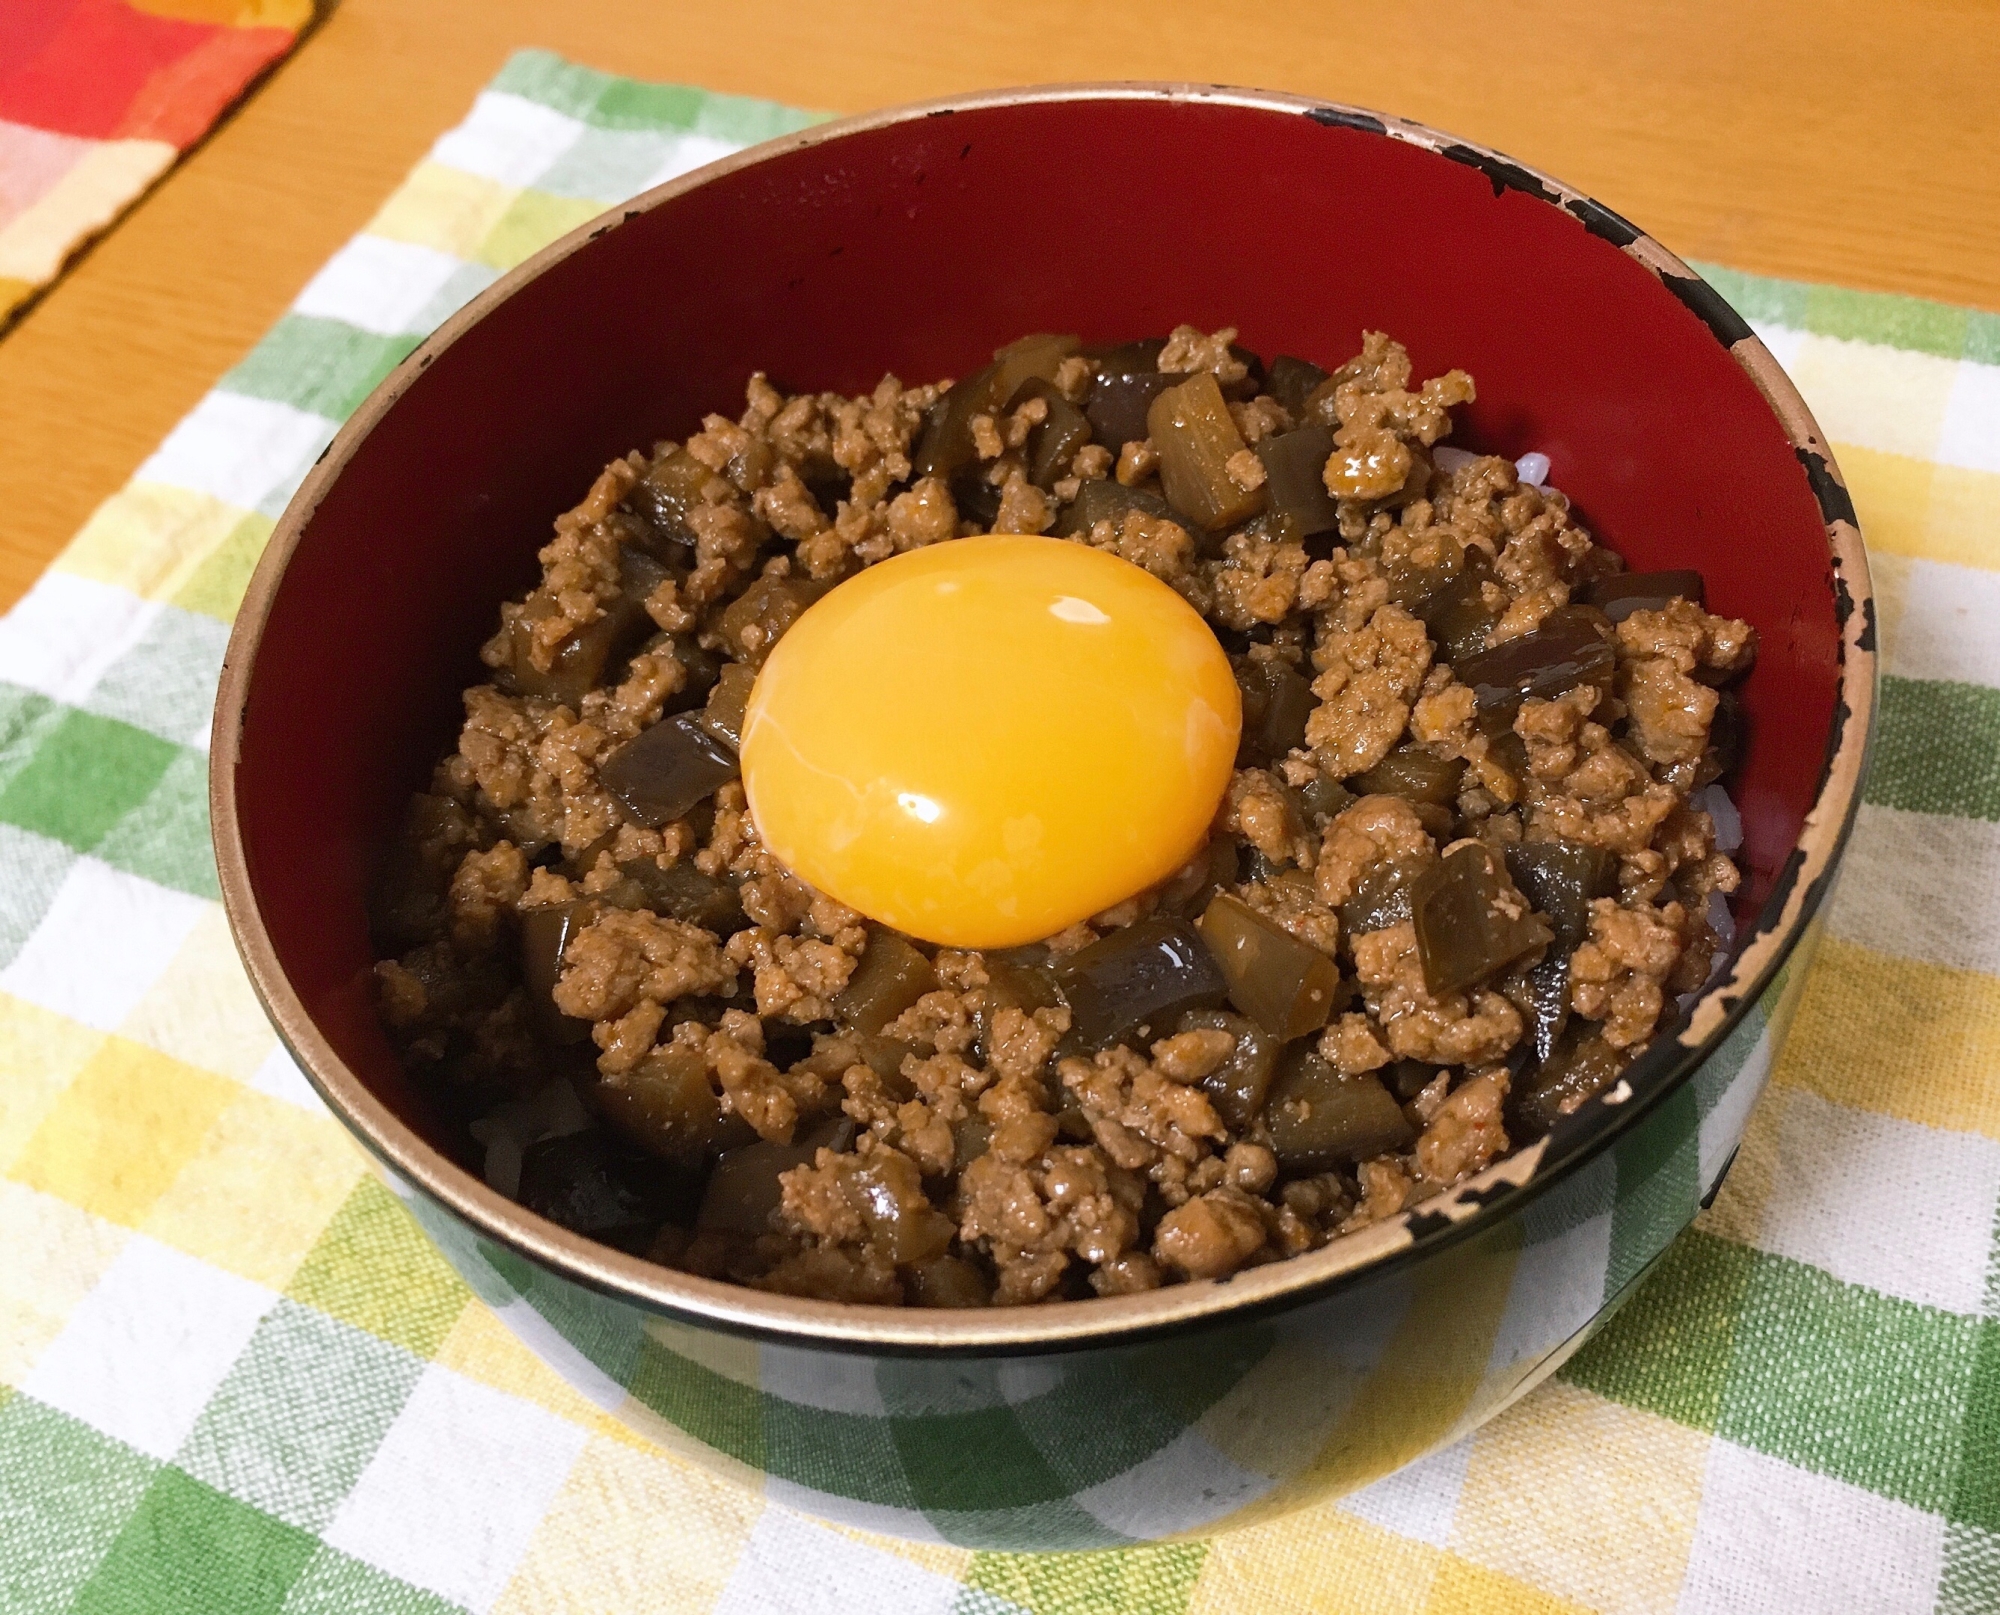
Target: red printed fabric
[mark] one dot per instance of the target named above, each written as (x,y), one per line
(97,99)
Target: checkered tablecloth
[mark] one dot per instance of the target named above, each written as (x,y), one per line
(234,1378)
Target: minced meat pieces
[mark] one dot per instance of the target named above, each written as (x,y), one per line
(974,1150)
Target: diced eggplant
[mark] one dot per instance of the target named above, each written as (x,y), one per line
(1725,740)
(1019,978)
(1286,986)
(1470,920)
(948,1281)
(1191,427)
(1053,444)
(1140,358)
(1292,381)
(758,618)
(1140,976)
(1457,614)
(743,1189)
(1408,1078)
(1548,1004)
(1567,650)
(946,448)
(1382,897)
(970,1136)
(680,892)
(891,977)
(1623,593)
(1276,704)
(727,702)
(1319,1119)
(662,498)
(665,1104)
(579,663)
(667,770)
(1238,1087)
(1294,486)
(590,1184)
(1561,878)
(1117,406)
(701,666)
(1213,868)
(1415,775)
(1583,1064)
(1323,796)
(545,934)
(1105,500)
(1034,356)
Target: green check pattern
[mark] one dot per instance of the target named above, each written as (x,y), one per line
(237,1376)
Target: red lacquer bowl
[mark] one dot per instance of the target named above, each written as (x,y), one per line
(915,241)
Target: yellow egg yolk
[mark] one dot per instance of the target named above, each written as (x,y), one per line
(984,741)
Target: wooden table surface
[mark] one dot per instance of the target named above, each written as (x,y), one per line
(1851,141)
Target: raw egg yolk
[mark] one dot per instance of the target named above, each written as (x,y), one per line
(986,740)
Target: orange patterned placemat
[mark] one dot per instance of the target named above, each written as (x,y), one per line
(97,99)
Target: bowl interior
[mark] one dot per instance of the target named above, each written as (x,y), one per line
(915,247)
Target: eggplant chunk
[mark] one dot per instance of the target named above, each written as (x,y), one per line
(1191,427)
(1105,500)
(760,616)
(946,447)
(1470,920)
(1053,444)
(743,1189)
(1294,486)
(1623,593)
(1567,650)
(667,770)
(1117,406)
(1276,703)
(1415,775)
(661,499)
(1561,878)
(1292,381)
(1323,797)
(545,933)
(665,1104)
(1582,1065)
(1382,897)
(1320,1119)
(1238,1087)
(589,1183)
(1457,615)
(1286,986)
(582,660)
(1139,977)
(728,700)
(891,977)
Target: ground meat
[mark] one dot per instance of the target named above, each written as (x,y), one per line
(1212,1235)
(973,1149)
(1616,975)
(1374,829)
(1457,1029)
(1464,1132)
(629,955)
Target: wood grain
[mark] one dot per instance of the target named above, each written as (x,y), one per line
(1830,140)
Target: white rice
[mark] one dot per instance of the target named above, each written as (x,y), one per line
(1714,801)
(510,1131)
(1532,469)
